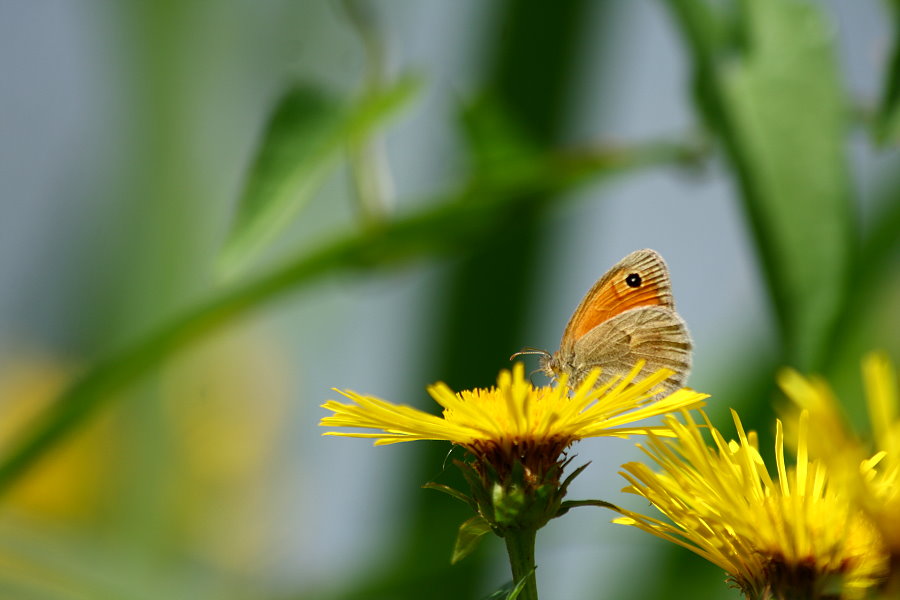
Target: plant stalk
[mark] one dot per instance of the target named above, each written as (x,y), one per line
(520,546)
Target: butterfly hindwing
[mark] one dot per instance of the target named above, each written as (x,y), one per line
(655,334)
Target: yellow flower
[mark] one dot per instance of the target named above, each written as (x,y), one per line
(797,536)
(71,486)
(870,474)
(516,421)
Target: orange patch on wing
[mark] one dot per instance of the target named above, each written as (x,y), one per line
(614,298)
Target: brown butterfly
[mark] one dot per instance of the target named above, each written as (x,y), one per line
(628,315)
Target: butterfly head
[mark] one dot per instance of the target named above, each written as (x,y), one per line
(550,364)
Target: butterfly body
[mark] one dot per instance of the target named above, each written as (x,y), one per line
(627,316)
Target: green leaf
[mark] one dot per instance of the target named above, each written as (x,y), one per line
(520,586)
(509,591)
(772,92)
(303,142)
(501,593)
(787,120)
(469,535)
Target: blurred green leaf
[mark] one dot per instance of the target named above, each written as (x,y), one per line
(779,109)
(467,538)
(303,141)
(789,122)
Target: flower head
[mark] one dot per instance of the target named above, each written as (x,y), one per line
(870,472)
(797,536)
(516,421)
(517,434)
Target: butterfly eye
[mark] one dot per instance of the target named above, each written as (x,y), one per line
(633,280)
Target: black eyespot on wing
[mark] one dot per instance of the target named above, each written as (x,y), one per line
(633,280)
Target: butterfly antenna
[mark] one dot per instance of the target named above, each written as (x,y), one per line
(447,458)
(532,374)
(529,350)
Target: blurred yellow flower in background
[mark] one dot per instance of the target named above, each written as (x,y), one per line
(870,472)
(797,536)
(71,484)
(183,471)
(226,405)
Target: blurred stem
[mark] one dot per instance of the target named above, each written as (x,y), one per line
(520,546)
(532,58)
(890,97)
(450,226)
(369,167)
(360,17)
(372,181)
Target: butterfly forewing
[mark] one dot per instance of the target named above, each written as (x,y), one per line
(640,279)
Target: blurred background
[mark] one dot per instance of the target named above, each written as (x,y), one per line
(213,213)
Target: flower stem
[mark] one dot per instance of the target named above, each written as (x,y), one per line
(891,587)
(520,546)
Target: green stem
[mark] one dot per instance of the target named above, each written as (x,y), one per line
(520,546)
(441,229)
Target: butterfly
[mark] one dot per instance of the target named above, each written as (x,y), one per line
(627,316)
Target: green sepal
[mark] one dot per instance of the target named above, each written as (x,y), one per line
(519,503)
(467,538)
(480,494)
(565,484)
(516,500)
(509,504)
(568,505)
(450,491)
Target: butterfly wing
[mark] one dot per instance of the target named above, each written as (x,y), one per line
(640,279)
(655,334)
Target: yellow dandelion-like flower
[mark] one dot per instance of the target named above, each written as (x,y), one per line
(870,472)
(797,536)
(516,421)
(516,435)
